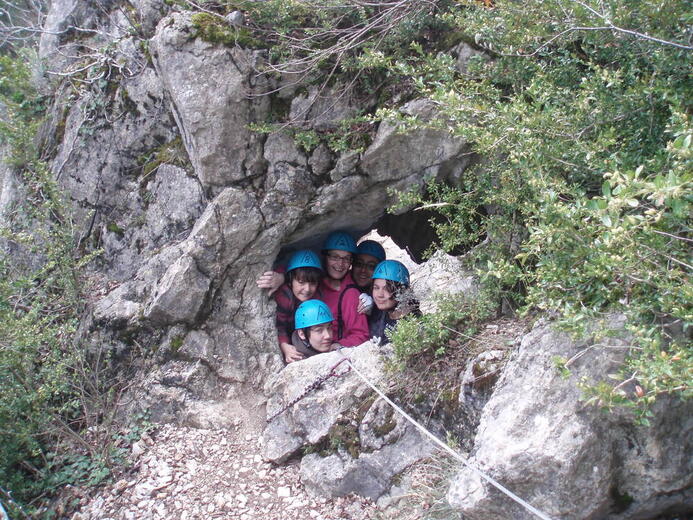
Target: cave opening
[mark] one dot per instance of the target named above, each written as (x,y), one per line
(406,237)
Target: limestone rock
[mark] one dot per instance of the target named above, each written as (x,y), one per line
(442,274)
(214,128)
(310,419)
(236,18)
(179,295)
(97,165)
(280,147)
(464,52)
(150,12)
(322,107)
(61,15)
(429,153)
(117,308)
(321,160)
(10,187)
(479,377)
(566,458)
(370,475)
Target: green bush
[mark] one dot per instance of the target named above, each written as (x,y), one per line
(457,318)
(52,393)
(583,202)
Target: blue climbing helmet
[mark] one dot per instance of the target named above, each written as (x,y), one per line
(312,312)
(340,240)
(303,258)
(371,247)
(392,270)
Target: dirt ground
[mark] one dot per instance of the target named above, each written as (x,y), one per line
(184,473)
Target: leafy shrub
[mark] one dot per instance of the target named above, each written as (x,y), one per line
(457,316)
(54,404)
(584,195)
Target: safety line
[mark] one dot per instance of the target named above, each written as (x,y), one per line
(447,448)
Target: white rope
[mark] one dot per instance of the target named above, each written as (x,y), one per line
(447,448)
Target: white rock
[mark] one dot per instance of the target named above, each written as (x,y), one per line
(283,492)
(137,449)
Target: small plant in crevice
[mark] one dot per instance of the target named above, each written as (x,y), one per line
(172,152)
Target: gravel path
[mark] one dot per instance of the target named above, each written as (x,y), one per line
(184,473)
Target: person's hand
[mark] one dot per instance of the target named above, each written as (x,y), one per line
(290,353)
(365,304)
(271,281)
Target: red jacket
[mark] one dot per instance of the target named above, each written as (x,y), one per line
(355,325)
(287,304)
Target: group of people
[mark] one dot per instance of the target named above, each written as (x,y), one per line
(351,294)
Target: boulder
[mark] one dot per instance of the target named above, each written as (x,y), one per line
(360,443)
(388,444)
(179,295)
(322,108)
(569,459)
(442,274)
(430,153)
(310,419)
(214,127)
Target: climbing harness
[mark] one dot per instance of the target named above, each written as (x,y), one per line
(313,386)
(340,320)
(444,446)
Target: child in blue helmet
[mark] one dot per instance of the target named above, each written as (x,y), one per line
(368,254)
(391,297)
(303,274)
(340,293)
(313,334)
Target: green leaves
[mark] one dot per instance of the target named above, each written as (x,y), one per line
(40,304)
(584,195)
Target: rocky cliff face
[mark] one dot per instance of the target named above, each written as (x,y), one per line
(153,146)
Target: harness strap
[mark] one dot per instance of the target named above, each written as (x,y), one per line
(340,320)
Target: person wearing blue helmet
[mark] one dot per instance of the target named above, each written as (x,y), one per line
(368,254)
(303,274)
(392,298)
(340,293)
(313,323)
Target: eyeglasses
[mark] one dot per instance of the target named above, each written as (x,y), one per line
(365,265)
(337,259)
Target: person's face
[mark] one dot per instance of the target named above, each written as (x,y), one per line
(382,296)
(320,337)
(338,263)
(363,268)
(303,291)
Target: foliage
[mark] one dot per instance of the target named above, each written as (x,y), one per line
(55,413)
(456,316)
(215,29)
(582,204)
